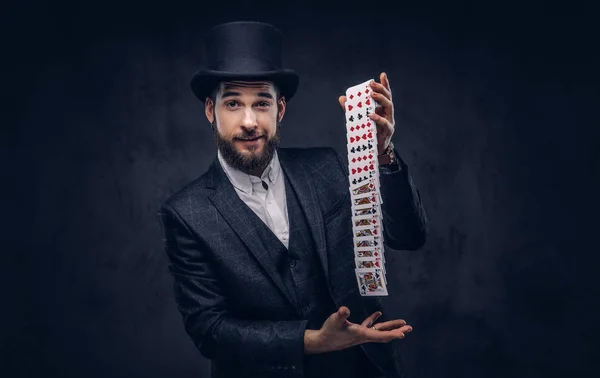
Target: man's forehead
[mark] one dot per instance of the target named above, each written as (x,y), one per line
(233,85)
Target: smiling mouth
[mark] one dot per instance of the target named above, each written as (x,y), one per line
(249,139)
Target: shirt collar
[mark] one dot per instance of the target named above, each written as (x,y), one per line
(244,181)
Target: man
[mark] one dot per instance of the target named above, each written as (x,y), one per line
(260,246)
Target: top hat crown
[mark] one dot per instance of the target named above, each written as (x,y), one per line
(244,50)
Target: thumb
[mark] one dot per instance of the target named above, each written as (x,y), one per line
(341,315)
(342,101)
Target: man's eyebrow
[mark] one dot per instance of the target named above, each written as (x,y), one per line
(265,94)
(234,94)
(230,94)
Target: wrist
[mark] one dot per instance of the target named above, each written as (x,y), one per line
(387,157)
(312,343)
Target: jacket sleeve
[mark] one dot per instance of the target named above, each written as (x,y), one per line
(219,336)
(404,220)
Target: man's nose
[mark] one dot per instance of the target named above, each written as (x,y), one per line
(249,121)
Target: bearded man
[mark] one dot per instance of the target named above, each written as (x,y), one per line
(260,246)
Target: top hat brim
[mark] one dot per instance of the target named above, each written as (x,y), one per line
(204,81)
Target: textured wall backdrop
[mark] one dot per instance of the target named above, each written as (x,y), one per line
(496,116)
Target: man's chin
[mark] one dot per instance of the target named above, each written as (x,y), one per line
(247,156)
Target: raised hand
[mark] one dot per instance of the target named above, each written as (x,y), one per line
(384,113)
(339,333)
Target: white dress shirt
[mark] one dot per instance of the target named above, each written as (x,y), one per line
(269,204)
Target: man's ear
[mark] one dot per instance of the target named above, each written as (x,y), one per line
(209,110)
(281,105)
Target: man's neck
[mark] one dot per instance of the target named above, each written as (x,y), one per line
(256,172)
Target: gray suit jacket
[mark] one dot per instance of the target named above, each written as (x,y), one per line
(234,304)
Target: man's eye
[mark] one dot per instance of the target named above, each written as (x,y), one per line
(264,103)
(231,104)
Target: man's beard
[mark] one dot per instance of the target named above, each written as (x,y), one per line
(247,163)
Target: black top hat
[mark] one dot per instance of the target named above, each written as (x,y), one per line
(244,50)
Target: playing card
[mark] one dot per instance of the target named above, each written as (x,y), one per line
(370,209)
(371,282)
(357,178)
(373,196)
(365,221)
(358,148)
(356,104)
(360,120)
(372,231)
(364,199)
(358,93)
(375,228)
(361,157)
(362,136)
(354,128)
(361,252)
(358,175)
(358,97)
(367,241)
(367,186)
(371,165)
(369,262)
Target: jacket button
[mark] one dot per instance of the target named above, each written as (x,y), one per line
(293,262)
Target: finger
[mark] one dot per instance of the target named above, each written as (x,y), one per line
(380,121)
(341,315)
(404,329)
(368,322)
(381,89)
(383,99)
(383,78)
(383,336)
(391,324)
(342,101)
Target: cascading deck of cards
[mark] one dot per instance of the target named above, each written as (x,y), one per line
(363,166)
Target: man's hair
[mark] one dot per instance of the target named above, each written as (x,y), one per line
(213,93)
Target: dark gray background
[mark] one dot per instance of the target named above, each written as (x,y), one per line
(496,116)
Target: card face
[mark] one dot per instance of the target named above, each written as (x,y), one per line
(371,185)
(367,253)
(357,178)
(366,232)
(361,158)
(369,148)
(359,175)
(355,128)
(367,241)
(374,205)
(368,137)
(366,210)
(364,199)
(370,282)
(368,262)
(365,221)
(369,168)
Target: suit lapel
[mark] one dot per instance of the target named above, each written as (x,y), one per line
(299,177)
(242,220)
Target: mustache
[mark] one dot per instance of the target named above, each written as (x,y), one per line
(248,135)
